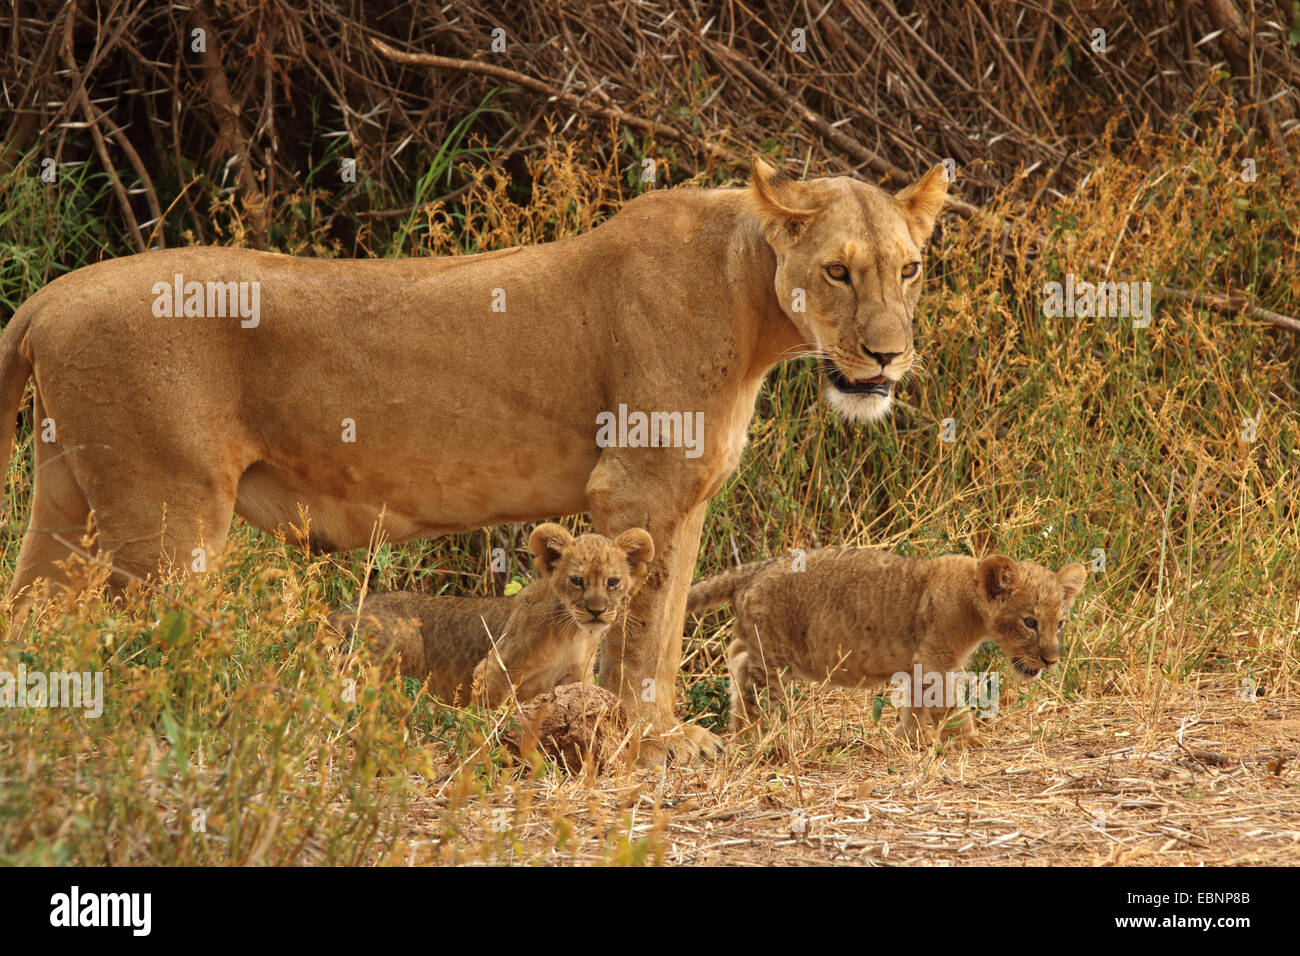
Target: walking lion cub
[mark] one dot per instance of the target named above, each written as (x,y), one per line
(859,616)
(546,635)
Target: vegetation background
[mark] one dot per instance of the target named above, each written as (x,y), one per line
(1160,151)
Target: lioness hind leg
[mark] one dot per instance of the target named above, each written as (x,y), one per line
(182,525)
(59,511)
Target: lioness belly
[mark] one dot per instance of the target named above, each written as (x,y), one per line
(274,499)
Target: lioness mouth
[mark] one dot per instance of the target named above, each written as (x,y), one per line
(862,386)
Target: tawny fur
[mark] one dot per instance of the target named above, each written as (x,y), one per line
(857,616)
(472,385)
(488,649)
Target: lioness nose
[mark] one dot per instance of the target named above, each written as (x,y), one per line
(884,358)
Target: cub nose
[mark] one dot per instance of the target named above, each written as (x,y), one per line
(596,611)
(884,358)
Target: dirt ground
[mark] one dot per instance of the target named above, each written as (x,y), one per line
(1089,783)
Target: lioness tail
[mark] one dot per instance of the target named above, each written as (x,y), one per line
(15,369)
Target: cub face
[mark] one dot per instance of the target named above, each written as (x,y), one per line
(1027,606)
(590,574)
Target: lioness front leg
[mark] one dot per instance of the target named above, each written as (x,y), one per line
(640,662)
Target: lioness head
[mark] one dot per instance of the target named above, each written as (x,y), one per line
(591,575)
(1026,605)
(848,274)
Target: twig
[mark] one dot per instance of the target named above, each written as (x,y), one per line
(1221,302)
(537,86)
(88,110)
(827,131)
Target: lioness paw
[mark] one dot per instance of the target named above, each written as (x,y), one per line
(684,744)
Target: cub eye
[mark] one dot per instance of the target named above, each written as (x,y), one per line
(911,269)
(1031,624)
(837,272)
(576,582)
(611,583)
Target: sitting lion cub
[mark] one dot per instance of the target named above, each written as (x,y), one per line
(857,616)
(544,636)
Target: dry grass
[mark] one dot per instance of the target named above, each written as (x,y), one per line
(1204,780)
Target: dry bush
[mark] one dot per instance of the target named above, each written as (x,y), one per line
(285,91)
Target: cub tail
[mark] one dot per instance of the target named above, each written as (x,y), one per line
(720,588)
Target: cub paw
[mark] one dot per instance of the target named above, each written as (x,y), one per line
(916,734)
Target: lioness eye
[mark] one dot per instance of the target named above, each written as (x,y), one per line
(911,269)
(837,272)
(1031,624)
(576,582)
(612,583)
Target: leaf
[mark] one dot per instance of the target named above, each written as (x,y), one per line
(174,629)
(170,730)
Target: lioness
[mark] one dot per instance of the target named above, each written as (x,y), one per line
(859,616)
(544,636)
(449,394)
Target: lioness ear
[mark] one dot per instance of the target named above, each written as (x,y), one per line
(778,199)
(546,544)
(997,575)
(639,547)
(922,202)
(1071,577)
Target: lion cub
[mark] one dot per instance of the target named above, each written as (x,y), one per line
(544,636)
(858,616)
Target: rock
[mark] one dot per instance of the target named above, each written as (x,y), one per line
(568,724)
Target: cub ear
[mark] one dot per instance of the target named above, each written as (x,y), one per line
(1071,577)
(779,200)
(546,544)
(639,547)
(922,202)
(997,576)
